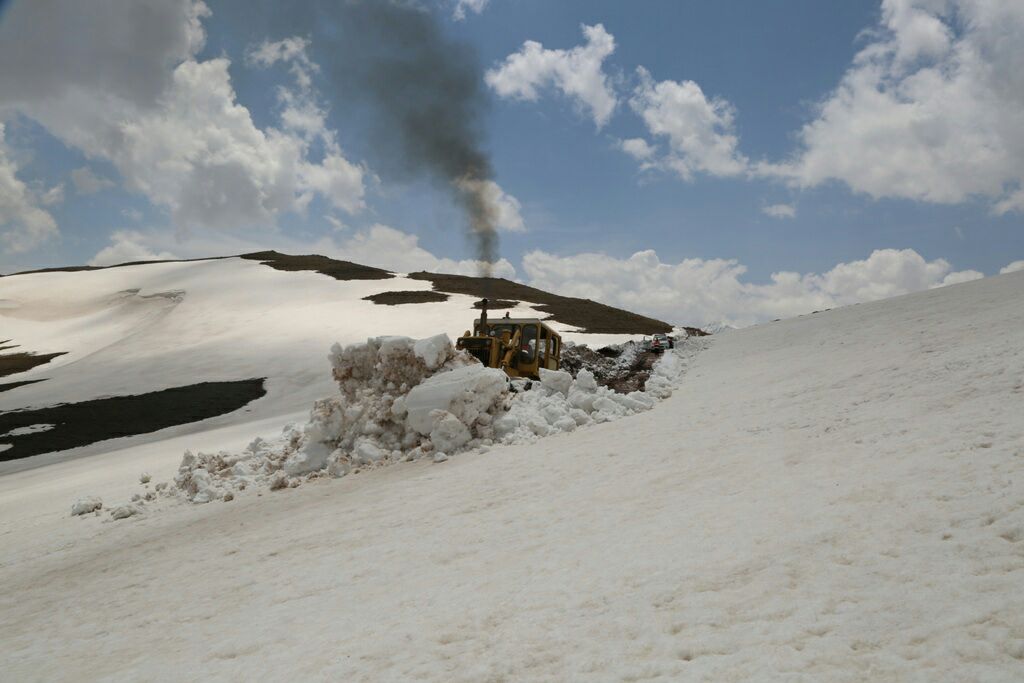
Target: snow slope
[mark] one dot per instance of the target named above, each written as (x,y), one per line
(838,497)
(135,329)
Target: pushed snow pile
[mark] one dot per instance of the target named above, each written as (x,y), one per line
(403,399)
(399,399)
(84,506)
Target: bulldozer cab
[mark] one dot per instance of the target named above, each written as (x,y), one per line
(519,346)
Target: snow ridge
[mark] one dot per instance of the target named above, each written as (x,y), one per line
(402,399)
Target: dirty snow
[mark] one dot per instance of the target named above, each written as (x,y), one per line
(837,497)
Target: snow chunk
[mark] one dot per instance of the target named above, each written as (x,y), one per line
(465,392)
(585,381)
(195,480)
(84,506)
(556,380)
(125,511)
(449,433)
(434,351)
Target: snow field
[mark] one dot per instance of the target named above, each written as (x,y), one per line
(838,497)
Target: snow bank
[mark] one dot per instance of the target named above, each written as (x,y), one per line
(404,399)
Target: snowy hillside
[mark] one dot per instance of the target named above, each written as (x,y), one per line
(130,330)
(837,497)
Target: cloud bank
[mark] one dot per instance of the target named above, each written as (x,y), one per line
(700,291)
(931,109)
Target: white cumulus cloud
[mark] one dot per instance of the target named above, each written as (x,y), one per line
(932,108)
(577,73)
(779,210)
(1012,268)
(474,6)
(385,247)
(127,246)
(24,224)
(699,132)
(638,148)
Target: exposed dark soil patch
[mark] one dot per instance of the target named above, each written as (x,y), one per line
(339,270)
(635,376)
(13,363)
(587,315)
(495,304)
(608,368)
(397,298)
(80,424)
(15,385)
(11,346)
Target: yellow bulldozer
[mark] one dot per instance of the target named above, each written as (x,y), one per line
(519,346)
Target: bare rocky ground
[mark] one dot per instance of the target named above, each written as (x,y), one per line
(622,368)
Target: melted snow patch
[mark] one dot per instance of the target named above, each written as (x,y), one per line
(30,429)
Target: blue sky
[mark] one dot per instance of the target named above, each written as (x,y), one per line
(808,141)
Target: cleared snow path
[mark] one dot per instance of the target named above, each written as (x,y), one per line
(837,497)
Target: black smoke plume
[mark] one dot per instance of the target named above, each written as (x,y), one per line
(428,94)
(423,92)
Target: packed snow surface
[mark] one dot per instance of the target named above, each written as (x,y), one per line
(837,497)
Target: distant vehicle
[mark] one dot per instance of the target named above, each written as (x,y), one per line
(660,342)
